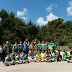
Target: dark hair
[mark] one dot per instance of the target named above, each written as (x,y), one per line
(70,52)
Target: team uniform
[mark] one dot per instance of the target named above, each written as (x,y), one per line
(10,48)
(20,47)
(43,47)
(15,47)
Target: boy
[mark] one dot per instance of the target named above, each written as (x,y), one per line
(64,55)
(50,47)
(8,60)
(25,47)
(36,47)
(17,58)
(48,57)
(15,47)
(42,56)
(37,57)
(25,59)
(47,44)
(10,47)
(35,53)
(55,45)
(43,46)
(39,45)
(69,58)
(20,46)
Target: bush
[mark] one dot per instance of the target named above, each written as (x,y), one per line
(70,45)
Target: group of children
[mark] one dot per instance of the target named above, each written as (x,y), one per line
(33,52)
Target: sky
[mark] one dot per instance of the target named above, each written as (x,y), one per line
(39,11)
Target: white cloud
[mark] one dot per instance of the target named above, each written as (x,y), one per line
(21,14)
(69,9)
(41,21)
(49,17)
(49,9)
(24,18)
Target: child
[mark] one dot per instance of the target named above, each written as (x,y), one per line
(17,58)
(37,57)
(30,58)
(43,46)
(48,57)
(53,56)
(64,55)
(20,46)
(35,53)
(8,60)
(15,47)
(22,55)
(36,47)
(42,56)
(25,59)
(59,56)
(69,58)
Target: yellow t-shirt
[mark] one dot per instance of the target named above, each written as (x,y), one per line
(37,56)
(42,56)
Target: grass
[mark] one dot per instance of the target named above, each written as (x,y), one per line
(62,48)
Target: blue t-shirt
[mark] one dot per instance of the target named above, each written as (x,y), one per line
(24,47)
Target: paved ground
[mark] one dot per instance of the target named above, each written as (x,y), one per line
(38,67)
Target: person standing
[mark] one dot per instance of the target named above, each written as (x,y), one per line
(20,46)
(31,47)
(7,48)
(10,47)
(15,47)
(25,47)
(4,53)
(1,52)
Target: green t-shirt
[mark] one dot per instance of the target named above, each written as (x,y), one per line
(43,47)
(20,47)
(55,45)
(17,58)
(8,59)
(52,55)
(24,58)
(10,47)
(34,54)
(47,56)
(7,48)
(36,47)
(39,46)
(64,56)
(15,47)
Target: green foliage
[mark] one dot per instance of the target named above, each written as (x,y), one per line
(70,45)
(14,29)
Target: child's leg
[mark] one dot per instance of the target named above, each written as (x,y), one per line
(68,60)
